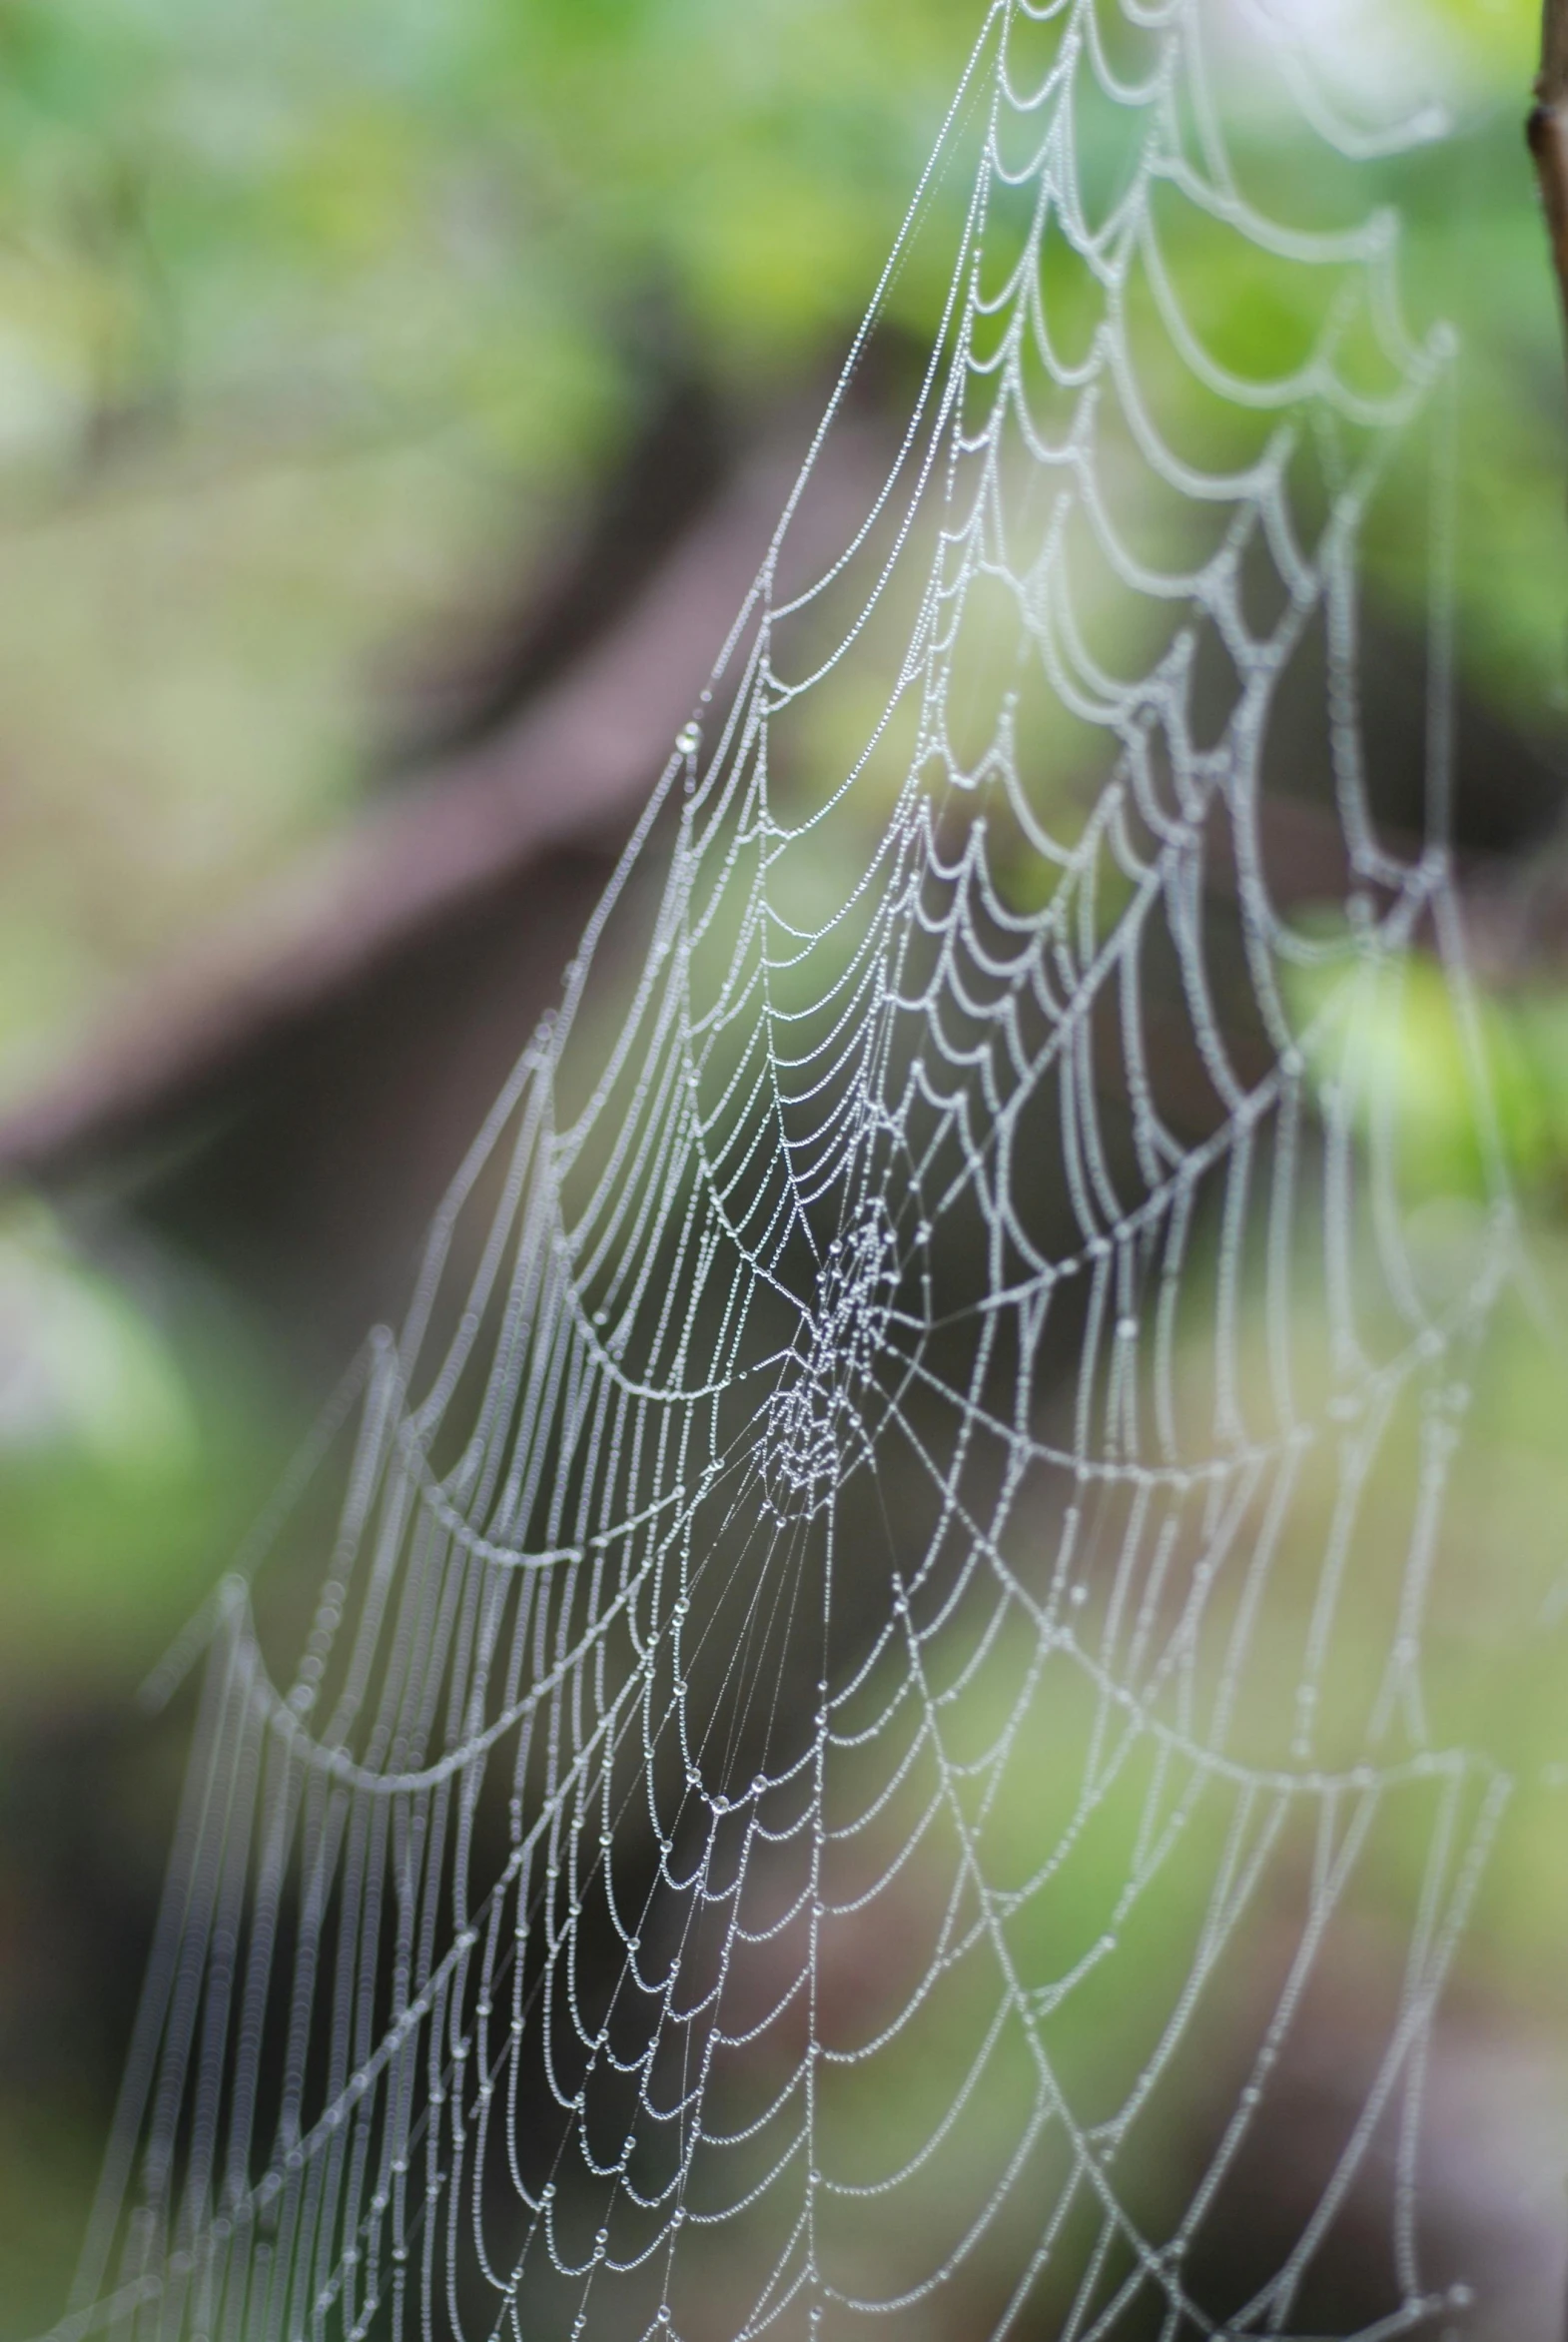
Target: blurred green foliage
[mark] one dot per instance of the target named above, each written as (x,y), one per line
(134,1430)
(1471,1083)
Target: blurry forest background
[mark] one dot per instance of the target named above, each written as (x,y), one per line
(394,398)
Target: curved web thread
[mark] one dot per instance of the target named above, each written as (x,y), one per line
(874,1639)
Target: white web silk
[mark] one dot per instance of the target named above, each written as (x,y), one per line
(876,1631)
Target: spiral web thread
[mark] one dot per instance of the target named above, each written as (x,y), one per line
(875,1641)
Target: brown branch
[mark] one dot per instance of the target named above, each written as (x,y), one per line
(1547,131)
(570,773)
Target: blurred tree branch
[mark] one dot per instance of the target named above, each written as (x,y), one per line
(1547,130)
(568,772)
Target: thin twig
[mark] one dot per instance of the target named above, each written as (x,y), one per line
(1547,130)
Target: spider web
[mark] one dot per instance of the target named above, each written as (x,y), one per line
(874,1642)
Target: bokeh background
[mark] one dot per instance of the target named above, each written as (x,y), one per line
(387,388)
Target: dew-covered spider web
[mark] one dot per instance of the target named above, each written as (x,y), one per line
(870,1707)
